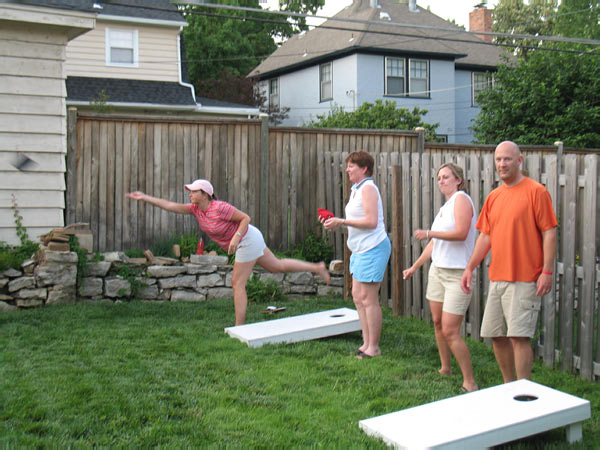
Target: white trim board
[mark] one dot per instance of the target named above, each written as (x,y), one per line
(482,419)
(297,328)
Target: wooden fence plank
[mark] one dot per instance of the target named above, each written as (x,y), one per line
(475,309)
(568,256)
(293,194)
(128,205)
(588,260)
(109,211)
(549,307)
(119,189)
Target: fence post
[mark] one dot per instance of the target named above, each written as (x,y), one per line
(420,140)
(71,191)
(397,242)
(264,173)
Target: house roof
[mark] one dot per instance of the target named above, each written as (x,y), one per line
(336,38)
(144,9)
(87,89)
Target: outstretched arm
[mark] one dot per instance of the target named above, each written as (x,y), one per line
(179,208)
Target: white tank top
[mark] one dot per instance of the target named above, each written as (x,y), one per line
(361,240)
(452,254)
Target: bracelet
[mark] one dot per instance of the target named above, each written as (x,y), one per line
(546,273)
(238,233)
(427,234)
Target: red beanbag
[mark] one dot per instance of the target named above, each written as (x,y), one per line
(324,214)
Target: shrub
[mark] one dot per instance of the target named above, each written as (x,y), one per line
(14,256)
(314,249)
(134,253)
(259,291)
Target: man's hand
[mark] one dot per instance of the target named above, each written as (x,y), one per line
(544,284)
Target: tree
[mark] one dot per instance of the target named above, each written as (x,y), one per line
(551,94)
(380,115)
(518,17)
(233,41)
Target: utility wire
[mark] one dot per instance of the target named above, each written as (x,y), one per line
(392,33)
(386,23)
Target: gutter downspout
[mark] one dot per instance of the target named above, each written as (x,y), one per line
(191,86)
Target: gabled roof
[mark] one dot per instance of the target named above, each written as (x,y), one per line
(141,9)
(342,38)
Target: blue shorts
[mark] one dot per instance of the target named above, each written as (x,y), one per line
(369,267)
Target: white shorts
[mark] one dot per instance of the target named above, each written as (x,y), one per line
(251,247)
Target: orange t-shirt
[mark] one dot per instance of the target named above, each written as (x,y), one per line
(514,217)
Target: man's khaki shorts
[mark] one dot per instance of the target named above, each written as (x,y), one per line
(443,285)
(512,310)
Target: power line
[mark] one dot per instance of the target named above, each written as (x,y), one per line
(392,33)
(387,23)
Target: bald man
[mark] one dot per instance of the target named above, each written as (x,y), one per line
(518,224)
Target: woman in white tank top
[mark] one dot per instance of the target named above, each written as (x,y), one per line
(370,246)
(452,241)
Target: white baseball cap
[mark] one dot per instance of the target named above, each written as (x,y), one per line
(200,185)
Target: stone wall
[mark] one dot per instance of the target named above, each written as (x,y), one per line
(50,278)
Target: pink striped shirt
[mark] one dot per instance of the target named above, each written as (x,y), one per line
(216,221)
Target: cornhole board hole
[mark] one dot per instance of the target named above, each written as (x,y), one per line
(483,418)
(297,328)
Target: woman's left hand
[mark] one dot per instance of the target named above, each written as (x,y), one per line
(233,244)
(421,234)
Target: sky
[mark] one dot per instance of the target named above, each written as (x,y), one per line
(447,9)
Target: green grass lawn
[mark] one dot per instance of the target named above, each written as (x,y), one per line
(165,374)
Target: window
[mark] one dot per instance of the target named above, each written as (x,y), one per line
(121,47)
(413,82)
(274,93)
(480,82)
(394,76)
(418,81)
(325,81)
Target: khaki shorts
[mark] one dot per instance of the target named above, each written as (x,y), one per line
(443,285)
(512,310)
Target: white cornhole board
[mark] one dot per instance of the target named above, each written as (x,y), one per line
(482,419)
(297,328)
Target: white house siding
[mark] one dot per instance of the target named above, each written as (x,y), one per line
(364,74)
(32,114)
(86,55)
(465,111)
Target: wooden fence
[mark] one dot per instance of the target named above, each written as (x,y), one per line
(568,332)
(279,176)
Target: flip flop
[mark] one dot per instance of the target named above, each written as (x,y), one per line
(363,356)
(358,352)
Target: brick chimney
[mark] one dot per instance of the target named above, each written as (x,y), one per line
(480,19)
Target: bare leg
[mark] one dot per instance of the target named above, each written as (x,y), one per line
(451,331)
(503,351)
(241,273)
(523,354)
(370,301)
(442,345)
(357,297)
(274,265)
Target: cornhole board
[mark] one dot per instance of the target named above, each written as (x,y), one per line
(483,418)
(297,328)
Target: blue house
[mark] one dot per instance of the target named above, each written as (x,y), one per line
(395,51)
